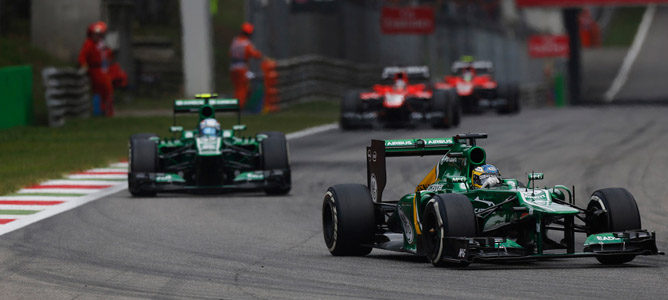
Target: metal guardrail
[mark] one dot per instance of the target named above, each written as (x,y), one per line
(312,77)
(308,77)
(67,94)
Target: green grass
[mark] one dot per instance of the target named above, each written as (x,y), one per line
(623,27)
(33,154)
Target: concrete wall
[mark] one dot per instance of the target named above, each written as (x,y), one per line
(59,27)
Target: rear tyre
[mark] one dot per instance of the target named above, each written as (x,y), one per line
(457,111)
(611,210)
(446,215)
(143,158)
(275,157)
(350,109)
(512,95)
(443,105)
(348,220)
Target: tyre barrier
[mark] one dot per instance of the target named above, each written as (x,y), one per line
(66,94)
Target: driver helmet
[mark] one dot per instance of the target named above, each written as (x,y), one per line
(400,80)
(468,73)
(485,176)
(209,127)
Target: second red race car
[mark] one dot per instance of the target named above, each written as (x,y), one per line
(477,89)
(405,98)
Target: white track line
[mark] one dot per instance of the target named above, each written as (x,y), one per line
(102,177)
(107,170)
(58,191)
(37,198)
(631,56)
(79,182)
(311,131)
(23,221)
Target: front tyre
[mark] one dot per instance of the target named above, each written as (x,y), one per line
(348,220)
(275,158)
(143,158)
(612,210)
(446,215)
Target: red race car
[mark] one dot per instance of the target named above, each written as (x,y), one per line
(403,99)
(477,89)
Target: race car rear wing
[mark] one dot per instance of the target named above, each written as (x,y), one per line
(462,145)
(413,72)
(206,105)
(194,105)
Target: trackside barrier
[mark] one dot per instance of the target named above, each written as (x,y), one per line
(67,94)
(313,77)
(310,77)
(536,95)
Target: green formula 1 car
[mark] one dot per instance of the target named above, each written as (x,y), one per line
(208,159)
(452,223)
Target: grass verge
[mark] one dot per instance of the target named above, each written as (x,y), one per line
(623,27)
(33,154)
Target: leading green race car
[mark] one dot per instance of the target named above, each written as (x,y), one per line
(452,223)
(208,159)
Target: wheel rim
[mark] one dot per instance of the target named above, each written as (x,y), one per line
(329,223)
(432,234)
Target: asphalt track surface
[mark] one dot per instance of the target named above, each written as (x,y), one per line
(254,246)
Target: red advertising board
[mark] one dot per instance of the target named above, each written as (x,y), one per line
(407,20)
(579,3)
(548,46)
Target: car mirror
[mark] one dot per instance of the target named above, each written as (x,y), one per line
(535,176)
(239,127)
(176,129)
(456,179)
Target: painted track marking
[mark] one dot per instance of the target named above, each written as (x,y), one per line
(631,56)
(35,203)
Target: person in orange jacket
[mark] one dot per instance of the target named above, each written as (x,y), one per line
(241,51)
(94,57)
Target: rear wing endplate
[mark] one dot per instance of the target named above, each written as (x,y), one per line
(379,150)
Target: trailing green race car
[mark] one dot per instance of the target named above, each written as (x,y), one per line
(465,212)
(208,159)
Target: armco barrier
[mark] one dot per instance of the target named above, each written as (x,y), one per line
(66,94)
(308,77)
(313,77)
(15,96)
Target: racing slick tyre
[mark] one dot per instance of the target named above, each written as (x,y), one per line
(143,158)
(348,220)
(512,95)
(457,115)
(350,111)
(447,215)
(275,157)
(610,210)
(443,103)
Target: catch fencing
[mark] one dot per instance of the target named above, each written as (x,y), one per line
(67,94)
